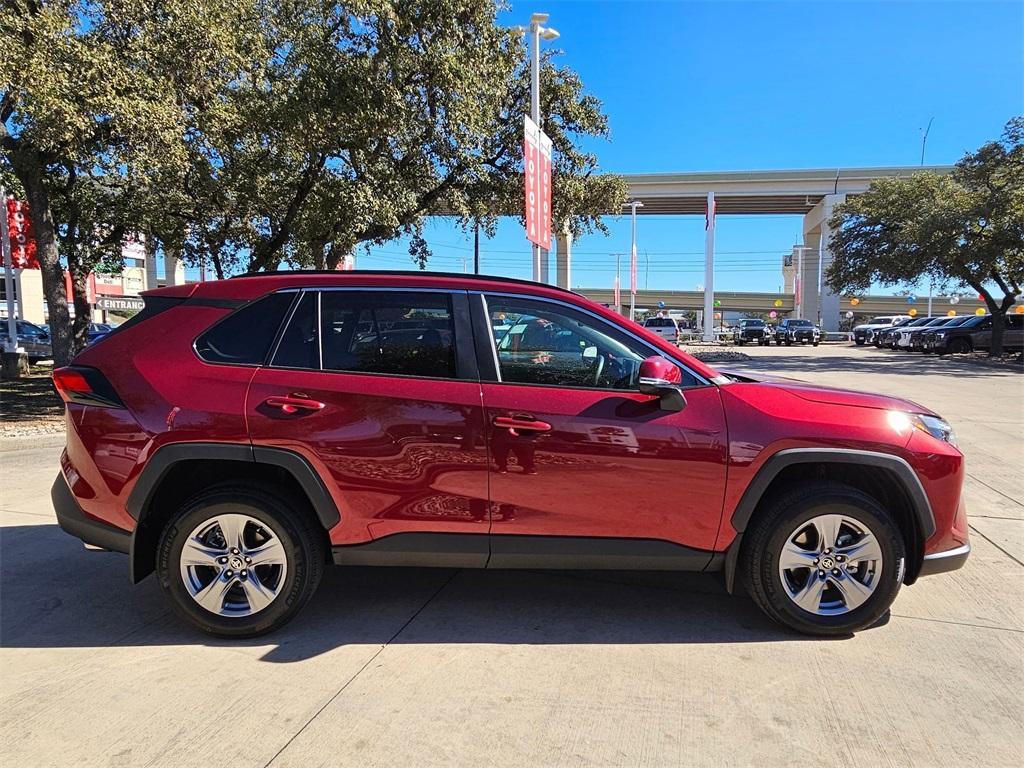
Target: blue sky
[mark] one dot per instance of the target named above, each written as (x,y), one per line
(702,86)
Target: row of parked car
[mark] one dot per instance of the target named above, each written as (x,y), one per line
(939,334)
(35,339)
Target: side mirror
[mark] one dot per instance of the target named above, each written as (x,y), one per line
(661,378)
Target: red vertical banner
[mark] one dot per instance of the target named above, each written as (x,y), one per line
(544,181)
(531,141)
(23,241)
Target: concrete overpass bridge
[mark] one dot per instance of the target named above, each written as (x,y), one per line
(810,193)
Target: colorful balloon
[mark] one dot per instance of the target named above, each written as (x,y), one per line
(718,302)
(954,299)
(849,315)
(854,302)
(951,313)
(911,299)
(778,302)
(979,311)
(1020,309)
(912,312)
(773,313)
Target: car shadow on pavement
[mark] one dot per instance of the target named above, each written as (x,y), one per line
(56,594)
(870,361)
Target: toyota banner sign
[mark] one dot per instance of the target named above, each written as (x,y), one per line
(537,183)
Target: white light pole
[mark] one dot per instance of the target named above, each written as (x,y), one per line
(632,205)
(536,33)
(5,245)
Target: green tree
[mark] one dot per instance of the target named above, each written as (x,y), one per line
(92,97)
(963,229)
(366,117)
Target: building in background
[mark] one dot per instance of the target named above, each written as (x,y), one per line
(106,293)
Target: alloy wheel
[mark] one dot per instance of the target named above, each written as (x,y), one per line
(233,565)
(830,565)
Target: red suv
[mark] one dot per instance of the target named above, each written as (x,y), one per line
(237,436)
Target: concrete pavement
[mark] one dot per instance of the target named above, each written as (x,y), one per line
(436,667)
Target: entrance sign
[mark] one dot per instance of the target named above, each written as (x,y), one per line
(120,303)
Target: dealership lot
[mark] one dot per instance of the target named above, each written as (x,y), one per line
(430,667)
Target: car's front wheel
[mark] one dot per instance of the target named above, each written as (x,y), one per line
(824,559)
(239,562)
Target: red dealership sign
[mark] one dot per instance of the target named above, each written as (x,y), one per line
(23,241)
(537,183)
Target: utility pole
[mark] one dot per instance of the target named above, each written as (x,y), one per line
(476,249)
(632,205)
(924,138)
(536,33)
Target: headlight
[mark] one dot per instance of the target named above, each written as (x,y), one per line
(932,425)
(940,334)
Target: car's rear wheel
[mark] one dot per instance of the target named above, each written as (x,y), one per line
(824,559)
(859,341)
(959,346)
(239,562)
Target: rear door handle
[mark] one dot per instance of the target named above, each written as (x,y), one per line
(293,404)
(517,424)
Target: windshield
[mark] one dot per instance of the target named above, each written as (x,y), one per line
(800,323)
(660,322)
(753,323)
(880,321)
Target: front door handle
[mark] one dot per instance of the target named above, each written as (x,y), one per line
(517,424)
(292,405)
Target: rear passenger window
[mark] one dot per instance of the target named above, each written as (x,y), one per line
(244,338)
(300,342)
(397,333)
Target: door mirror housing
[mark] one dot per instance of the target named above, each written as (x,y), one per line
(661,378)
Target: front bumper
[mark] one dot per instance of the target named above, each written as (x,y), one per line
(943,562)
(73,520)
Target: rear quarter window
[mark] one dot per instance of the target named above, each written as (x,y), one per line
(244,337)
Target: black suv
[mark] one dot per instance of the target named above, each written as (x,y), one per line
(797,331)
(753,329)
(975,333)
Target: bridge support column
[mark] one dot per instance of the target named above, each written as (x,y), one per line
(820,303)
(563,260)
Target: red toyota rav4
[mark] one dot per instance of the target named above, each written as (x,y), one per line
(236,436)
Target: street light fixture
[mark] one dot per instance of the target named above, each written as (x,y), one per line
(632,205)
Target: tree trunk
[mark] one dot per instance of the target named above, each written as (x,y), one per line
(29,169)
(83,310)
(998,311)
(318,249)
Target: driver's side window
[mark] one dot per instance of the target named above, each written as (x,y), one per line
(544,343)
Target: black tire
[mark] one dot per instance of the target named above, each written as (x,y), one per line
(814,343)
(303,541)
(859,342)
(740,342)
(765,537)
(789,342)
(960,346)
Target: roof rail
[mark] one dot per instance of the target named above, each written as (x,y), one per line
(401,272)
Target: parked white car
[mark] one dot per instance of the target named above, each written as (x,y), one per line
(861,332)
(666,327)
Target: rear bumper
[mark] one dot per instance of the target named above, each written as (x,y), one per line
(942,562)
(73,520)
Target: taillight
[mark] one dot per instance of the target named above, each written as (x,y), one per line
(85,386)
